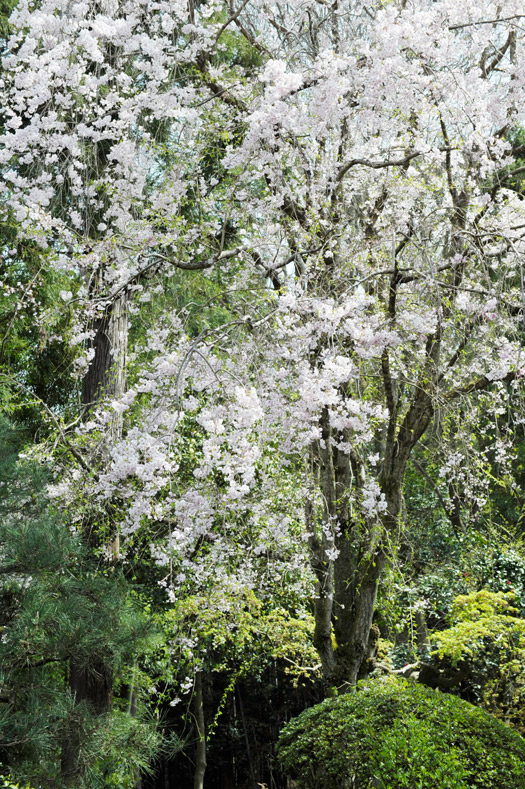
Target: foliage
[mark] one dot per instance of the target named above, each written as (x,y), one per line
(391,733)
(229,638)
(236,631)
(433,566)
(57,606)
(235,635)
(486,644)
(35,356)
(9,783)
(281,248)
(121,749)
(6,782)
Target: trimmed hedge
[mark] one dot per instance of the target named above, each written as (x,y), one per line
(396,734)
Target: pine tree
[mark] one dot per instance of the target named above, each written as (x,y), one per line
(58,607)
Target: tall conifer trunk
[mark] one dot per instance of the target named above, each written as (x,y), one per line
(91,679)
(106,375)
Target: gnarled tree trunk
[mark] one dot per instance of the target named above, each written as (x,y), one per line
(350,554)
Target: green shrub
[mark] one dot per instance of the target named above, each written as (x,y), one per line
(9,783)
(486,641)
(394,734)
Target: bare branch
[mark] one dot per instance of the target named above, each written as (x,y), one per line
(488,68)
(479,385)
(200,265)
(249,37)
(376,165)
(232,18)
(462,345)
(222,92)
(487,22)
(68,445)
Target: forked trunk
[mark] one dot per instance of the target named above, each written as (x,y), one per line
(350,553)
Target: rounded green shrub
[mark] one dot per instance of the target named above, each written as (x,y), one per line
(396,734)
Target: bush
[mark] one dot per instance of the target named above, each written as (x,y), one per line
(394,734)
(487,643)
(9,783)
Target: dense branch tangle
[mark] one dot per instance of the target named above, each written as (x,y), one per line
(347,583)
(348,165)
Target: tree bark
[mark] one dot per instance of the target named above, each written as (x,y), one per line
(198,712)
(347,583)
(90,681)
(354,604)
(106,374)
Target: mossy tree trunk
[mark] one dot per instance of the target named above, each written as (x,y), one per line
(349,552)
